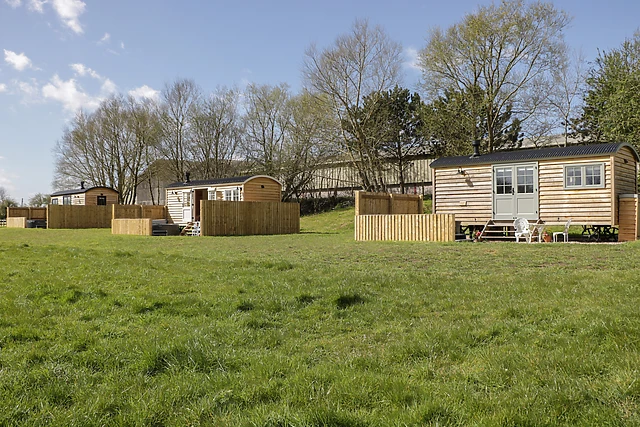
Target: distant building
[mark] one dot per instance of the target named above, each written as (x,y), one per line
(86,196)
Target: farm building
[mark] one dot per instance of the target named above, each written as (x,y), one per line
(552,185)
(183,198)
(86,196)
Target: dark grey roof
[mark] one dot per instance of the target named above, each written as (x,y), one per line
(216,181)
(589,150)
(78,191)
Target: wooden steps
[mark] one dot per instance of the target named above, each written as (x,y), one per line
(496,230)
(191,229)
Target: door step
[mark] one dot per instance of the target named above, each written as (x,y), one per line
(502,230)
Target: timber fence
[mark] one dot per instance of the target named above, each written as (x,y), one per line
(226,218)
(136,226)
(628,218)
(78,216)
(408,227)
(139,211)
(27,212)
(387,203)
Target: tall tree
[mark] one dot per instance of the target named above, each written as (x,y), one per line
(178,101)
(39,200)
(612,100)
(216,131)
(507,51)
(397,122)
(5,201)
(363,62)
(268,116)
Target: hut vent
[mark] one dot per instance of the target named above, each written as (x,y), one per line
(82,185)
(476,148)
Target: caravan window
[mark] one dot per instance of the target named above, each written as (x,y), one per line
(584,176)
(233,194)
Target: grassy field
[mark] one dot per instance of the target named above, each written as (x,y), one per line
(315,330)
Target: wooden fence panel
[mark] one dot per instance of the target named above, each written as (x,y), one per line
(406,227)
(17,222)
(628,221)
(138,227)
(387,203)
(27,212)
(79,216)
(226,218)
(154,211)
(126,211)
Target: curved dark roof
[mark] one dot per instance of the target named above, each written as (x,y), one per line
(533,154)
(79,191)
(217,181)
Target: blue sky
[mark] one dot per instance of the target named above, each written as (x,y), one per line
(60,55)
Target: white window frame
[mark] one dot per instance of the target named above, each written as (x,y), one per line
(583,177)
(67,200)
(231,194)
(211,193)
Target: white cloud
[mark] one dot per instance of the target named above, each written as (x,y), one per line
(70,94)
(14,3)
(145,92)
(3,87)
(82,71)
(108,87)
(122,45)
(105,38)
(37,5)
(69,11)
(411,59)
(7,179)
(30,90)
(19,61)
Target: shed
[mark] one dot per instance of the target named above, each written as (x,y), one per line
(183,198)
(86,196)
(553,184)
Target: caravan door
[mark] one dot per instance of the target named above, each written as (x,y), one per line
(515,192)
(187,211)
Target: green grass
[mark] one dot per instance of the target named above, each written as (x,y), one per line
(315,330)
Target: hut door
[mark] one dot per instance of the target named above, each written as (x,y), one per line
(186,206)
(515,192)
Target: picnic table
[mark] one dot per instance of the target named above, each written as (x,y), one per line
(600,232)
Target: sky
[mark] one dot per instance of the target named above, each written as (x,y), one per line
(58,56)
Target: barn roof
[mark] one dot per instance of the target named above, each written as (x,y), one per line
(79,191)
(217,181)
(546,153)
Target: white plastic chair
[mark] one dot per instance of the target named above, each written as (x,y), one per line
(565,233)
(522,228)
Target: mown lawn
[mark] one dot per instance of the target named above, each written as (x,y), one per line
(315,330)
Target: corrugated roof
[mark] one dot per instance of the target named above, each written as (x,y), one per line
(588,150)
(79,191)
(210,182)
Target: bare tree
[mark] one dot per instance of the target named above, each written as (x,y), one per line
(39,200)
(216,132)
(508,52)
(363,62)
(178,100)
(567,98)
(268,116)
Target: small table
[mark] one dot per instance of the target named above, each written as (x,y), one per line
(600,232)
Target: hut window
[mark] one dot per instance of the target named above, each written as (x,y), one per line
(584,176)
(102,201)
(54,201)
(232,194)
(211,194)
(66,200)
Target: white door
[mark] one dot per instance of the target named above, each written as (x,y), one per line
(187,212)
(515,192)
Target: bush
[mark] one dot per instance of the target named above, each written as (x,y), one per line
(318,205)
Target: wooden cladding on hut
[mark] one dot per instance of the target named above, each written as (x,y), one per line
(226,218)
(417,227)
(387,203)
